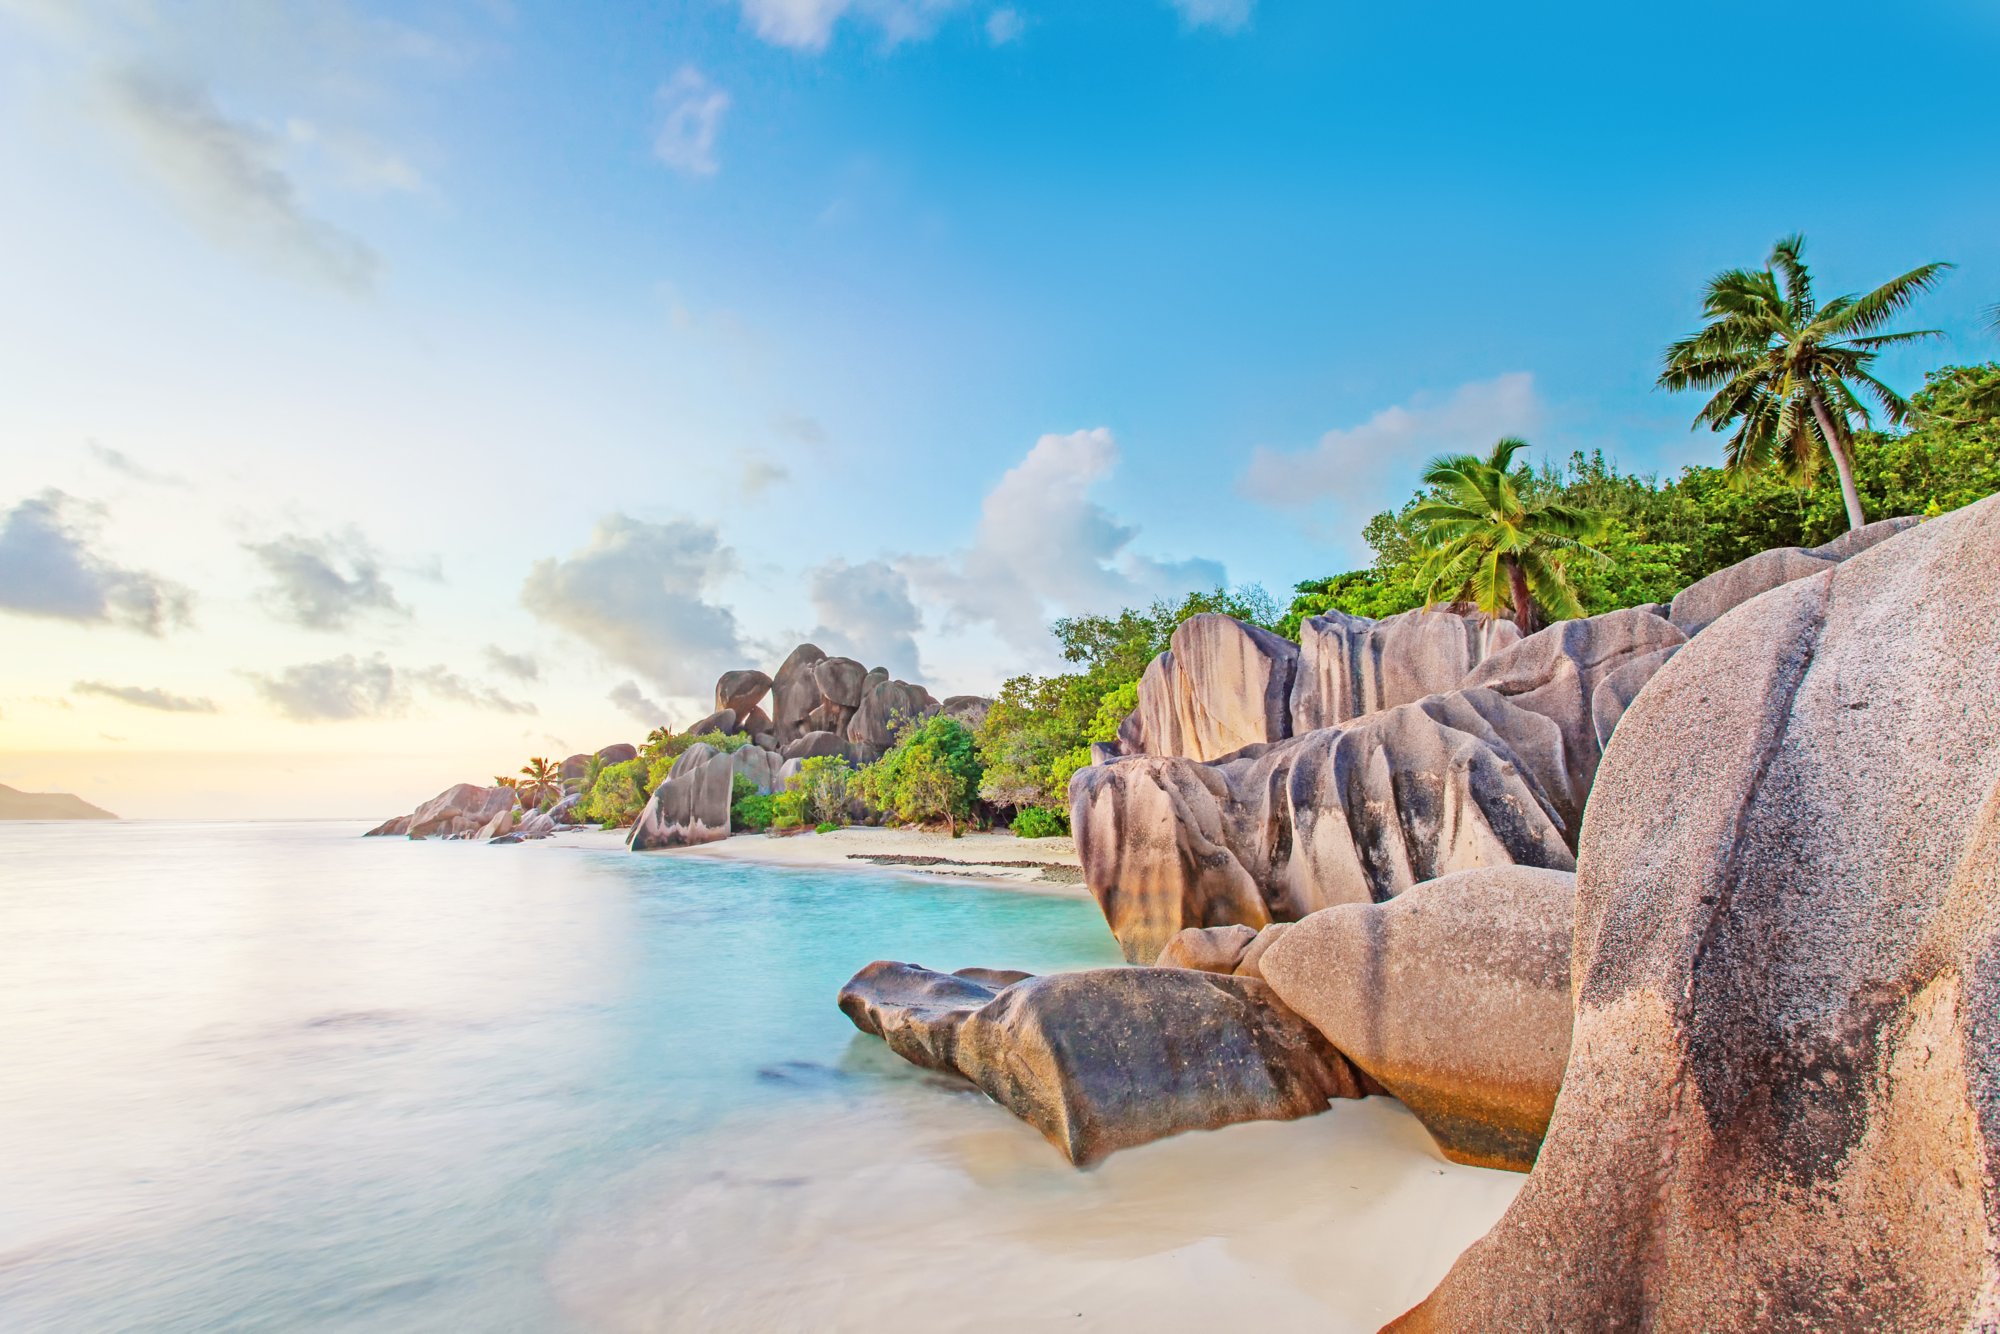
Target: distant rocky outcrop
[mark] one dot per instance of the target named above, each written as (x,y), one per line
(464,810)
(1779,1109)
(1108,1058)
(18,805)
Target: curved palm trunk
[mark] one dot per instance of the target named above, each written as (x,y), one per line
(1843,465)
(1524,605)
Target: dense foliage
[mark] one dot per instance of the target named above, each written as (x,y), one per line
(1039,729)
(1661,536)
(816,795)
(750,811)
(617,794)
(930,776)
(1040,822)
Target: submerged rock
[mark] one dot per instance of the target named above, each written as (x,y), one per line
(1454,996)
(1107,1058)
(1779,1106)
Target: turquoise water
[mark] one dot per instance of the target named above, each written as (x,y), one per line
(261,1076)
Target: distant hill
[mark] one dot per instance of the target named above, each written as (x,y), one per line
(47,806)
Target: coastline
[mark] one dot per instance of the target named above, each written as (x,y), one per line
(999,858)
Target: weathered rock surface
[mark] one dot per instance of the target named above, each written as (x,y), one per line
(1555,672)
(1207,949)
(460,810)
(396,826)
(722,720)
(1252,962)
(1703,602)
(969,711)
(1454,996)
(1779,1110)
(1620,686)
(1857,540)
(691,806)
(1353,814)
(741,691)
(814,744)
(1350,665)
(795,692)
(1108,1058)
(1220,686)
(884,707)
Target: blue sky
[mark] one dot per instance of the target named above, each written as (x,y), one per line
(366,350)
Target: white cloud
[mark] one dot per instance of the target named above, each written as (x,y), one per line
(694,109)
(1044,547)
(324,583)
(520,666)
(338,690)
(865,611)
(49,569)
(807,25)
(120,462)
(632,701)
(228,175)
(146,697)
(1228,15)
(639,595)
(1005,26)
(1357,471)
(760,474)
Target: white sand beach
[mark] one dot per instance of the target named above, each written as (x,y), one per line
(1047,864)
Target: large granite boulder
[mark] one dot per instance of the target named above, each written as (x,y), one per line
(795,692)
(1780,1105)
(396,826)
(1555,672)
(1620,686)
(1704,601)
(575,767)
(1454,996)
(885,707)
(1108,1058)
(741,691)
(1351,665)
(814,744)
(1350,814)
(969,711)
(840,681)
(460,810)
(691,805)
(1857,540)
(1207,949)
(1220,686)
(723,721)
(618,753)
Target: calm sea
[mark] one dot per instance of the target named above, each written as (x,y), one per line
(275,1076)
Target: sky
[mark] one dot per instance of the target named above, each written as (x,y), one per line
(389,393)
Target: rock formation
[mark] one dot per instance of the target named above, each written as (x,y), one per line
(741,691)
(460,811)
(1779,1106)
(1350,665)
(692,805)
(1220,686)
(1454,996)
(1107,1058)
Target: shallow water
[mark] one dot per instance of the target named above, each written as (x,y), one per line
(269,1075)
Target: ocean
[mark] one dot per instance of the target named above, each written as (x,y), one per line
(276,1076)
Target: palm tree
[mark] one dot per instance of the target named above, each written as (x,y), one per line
(541,778)
(1785,367)
(1484,542)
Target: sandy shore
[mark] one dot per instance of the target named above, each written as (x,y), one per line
(1047,864)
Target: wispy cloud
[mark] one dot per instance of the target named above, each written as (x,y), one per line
(49,568)
(125,465)
(341,689)
(693,110)
(808,25)
(229,176)
(520,666)
(146,697)
(633,703)
(1005,26)
(449,685)
(324,583)
(1228,15)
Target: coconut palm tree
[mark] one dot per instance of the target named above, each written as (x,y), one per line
(540,778)
(1786,368)
(1484,543)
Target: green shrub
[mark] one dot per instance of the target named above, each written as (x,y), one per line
(617,795)
(749,809)
(1041,822)
(931,775)
(826,827)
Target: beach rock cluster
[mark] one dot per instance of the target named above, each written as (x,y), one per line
(475,812)
(1107,1058)
(817,705)
(1779,1107)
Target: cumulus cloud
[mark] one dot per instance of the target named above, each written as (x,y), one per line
(346,688)
(1356,471)
(449,685)
(808,25)
(865,611)
(639,594)
(324,583)
(49,569)
(693,109)
(146,697)
(633,702)
(338,690)
(520,666)
(1005,26)
(1044,547)
(229,176)
(1228,15)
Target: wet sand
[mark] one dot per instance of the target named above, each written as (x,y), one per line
(994,858)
